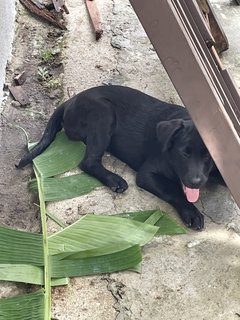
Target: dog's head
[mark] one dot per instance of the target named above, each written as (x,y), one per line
(186,153)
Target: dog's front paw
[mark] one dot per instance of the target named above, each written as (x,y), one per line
(192,218)
(116,183)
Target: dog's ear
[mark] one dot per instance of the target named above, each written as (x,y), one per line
(167,130)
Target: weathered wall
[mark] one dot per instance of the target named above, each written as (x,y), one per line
(7,14)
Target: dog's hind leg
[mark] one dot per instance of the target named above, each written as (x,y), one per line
(97,141)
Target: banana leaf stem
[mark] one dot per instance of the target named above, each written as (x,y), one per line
(47,276)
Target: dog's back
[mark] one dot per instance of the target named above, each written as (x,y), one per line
(136,116)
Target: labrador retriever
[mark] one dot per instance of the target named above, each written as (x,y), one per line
(157,139)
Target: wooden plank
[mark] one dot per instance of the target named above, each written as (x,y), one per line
(42,13)
(95,17)
(177,51)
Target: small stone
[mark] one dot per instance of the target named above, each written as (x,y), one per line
(193,243)
(20,78)
(54,94)
(234,226)
(15,104)
(115,43)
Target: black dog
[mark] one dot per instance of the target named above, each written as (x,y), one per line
(156,139)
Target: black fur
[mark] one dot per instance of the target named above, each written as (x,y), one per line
(157,139)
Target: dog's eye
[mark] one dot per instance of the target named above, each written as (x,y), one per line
(186,152)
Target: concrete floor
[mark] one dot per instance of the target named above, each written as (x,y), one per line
(192,276)
(195,276)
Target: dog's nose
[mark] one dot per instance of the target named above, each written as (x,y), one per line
(196,181)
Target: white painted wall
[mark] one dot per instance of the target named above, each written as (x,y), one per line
(7,15)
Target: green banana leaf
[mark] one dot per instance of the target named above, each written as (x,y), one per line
(21,273)
(80,264)
(23,307)
(93,231)
(96,243)
(27,273)
(57,189)
(166,225)
(20,247)
(61,156)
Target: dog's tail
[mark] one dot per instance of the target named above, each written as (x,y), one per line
(54,125)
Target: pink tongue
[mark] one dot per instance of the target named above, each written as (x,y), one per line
(191,194)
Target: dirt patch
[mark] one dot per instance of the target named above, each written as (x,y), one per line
(33,41)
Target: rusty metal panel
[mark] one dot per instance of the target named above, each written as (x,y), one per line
(198,81)
(200,22)
(210,59)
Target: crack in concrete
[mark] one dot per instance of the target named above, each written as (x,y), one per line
(207,215)
(118,289)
